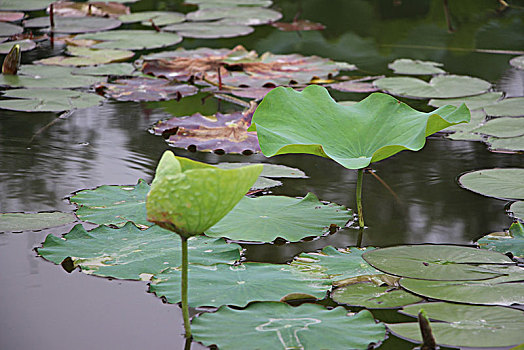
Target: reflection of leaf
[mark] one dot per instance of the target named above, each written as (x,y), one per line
(145,89)
(298,25)
(504,242)
(83,56)
(48,100)
(33,221)
(226,132)
(497,182)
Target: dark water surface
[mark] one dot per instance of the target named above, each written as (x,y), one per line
(44,307)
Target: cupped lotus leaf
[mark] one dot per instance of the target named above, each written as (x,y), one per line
(118,69)
(504,242)
(26,5)
(145,89)
(506,145)
(517,210)
(83,56)
(91,8)
(373,296)
(251,15)
(517,62)
(376,128)
(15,222)
(127,39)
(273,325)
(442,86)
(502,127)
(266,218)
(8,29)
(73,25)
(131,253)
(25,45)
(239,285)
(298,25)
(472,102)
(114,205)
(498,182)
(189,197)
(48,100)
(225,132)
(509,107)
(8,16)
(415,67)
(466,325)
(209,30)
(229,3)
(338,264)
(436,262)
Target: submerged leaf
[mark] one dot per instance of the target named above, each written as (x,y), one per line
(15,222)
(504,242)
(48,100)
(497,182)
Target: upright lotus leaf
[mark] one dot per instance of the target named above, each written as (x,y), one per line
(266,218)
(509,107)
(458,325)
(131,253)
(273,325)
(48,100)
(415,67)
(376,128)
(437,262)
(16,222)
(441,86)
(502,127)
(236,15)
(497,182)
(189,197)
(517,62)
(84,56)
(114,205)
(126,39)
(517,210)
(72,25)
(506,242)
(338,264)
(472,102)
(239,285)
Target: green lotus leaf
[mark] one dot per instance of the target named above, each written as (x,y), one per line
(517,62)
(338,264)
(464,131)
(239,285)
(25,45)
(165,19)
(72,25)
(472,102)
(26,5)
(442,86)
(517,209)
(376,128)
(209,30)
(273,325)
(236,15)
(8,29)
(466,325)
(15,222)
(415,67)
(160,18)
(436,262)
(504,242)
(189,197)
(502,127)
(373,296)
(126,39)
(497,182)
(84,56)
(509,107)
(269,171)
(265,218)
(130,253)
(48,100)
(507,145)
(119,69)
(113,204)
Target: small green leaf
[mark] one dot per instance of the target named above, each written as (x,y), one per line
(415,67)
(509,107)
(504,242)
(372,296)
(517,209)
(497,182)
(502,127)
(472,102)
(209,30)
(48,100)
(16,222)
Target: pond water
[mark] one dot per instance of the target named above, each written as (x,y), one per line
(42,306)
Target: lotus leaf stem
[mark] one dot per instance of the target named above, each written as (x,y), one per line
(359,198)
(185,309)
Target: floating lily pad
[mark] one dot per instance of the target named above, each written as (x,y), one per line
(73,25)
(8,16)
(287,121)
(436,262)
(146,89)
(464,131)
(239,285)
(372,296)
(263,219)
(415,67)
(118,69)
(25,45)
(338,264)
(131,39)
(236,15)
(497,182)
(83,56)
(442,86)
(225,132)
(39,76)
(164,19)
(209,30)
(33,221)
(142,16)
(502,127)
(273,325)
(48,100)
(229,3)
(356,85)
(113,204)
(95,8)
(130,253)
(8,29)
(509,107)
(507,145)
(504,242)
(466,325)
(26,5)
(298,25)
(517,62)
(517,209)
(472,102)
